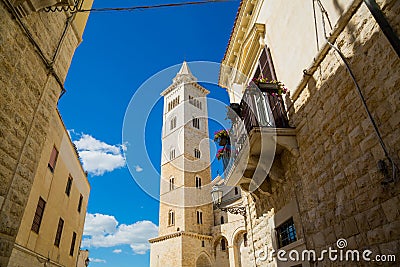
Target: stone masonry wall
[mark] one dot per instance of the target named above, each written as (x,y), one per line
(335,178)
(28,95)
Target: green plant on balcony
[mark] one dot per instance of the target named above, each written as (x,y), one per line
(221,137)
(272,87)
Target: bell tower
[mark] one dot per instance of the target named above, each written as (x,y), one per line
(186,214)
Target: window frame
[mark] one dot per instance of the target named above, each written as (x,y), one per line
(38,216)
(171,183)
(198,182)
(80,203)
(288,229)
(171,218)
(73,241)
(53,159)
(68,187)
(60,227)
(199,216)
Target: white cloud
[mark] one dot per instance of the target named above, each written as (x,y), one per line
(138,168)
(99,157)
(117,251)
(97,260)
(104,231)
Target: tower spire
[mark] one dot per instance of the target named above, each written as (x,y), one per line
(184,74)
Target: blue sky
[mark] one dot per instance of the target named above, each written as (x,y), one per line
(120,51)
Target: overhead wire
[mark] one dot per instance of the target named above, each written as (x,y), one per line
(133,8)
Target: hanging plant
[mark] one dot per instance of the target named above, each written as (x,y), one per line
(223,152)
(272,87)
(221,137)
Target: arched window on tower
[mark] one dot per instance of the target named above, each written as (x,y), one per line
(173,123)
(197,153)
(198,182)
(196,123)
(171,183)
(199,217)
(171,217)
(172,154)
(223,244)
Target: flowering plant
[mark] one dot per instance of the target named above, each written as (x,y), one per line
(218,135)
(222,151)
(272,86)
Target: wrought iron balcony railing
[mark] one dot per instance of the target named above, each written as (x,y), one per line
(258,109)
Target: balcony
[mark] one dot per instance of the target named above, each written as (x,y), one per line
(260,131)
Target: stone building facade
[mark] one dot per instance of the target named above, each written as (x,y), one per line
(52,224)
(36,49)
(328,177)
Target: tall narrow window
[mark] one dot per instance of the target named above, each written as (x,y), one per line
(198,182)
(171,218)
(222,220)
(196,123)
(173,123)
(172,154)
(69,186)
(223,244)
(197,153)
(71,250)
(59,232)
(199,217)
(171,184)
(245,239)
(236,190)
(37,219)
(53,159)
(80,203)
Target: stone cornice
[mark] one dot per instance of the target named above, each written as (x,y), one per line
(195,84)
(178,234)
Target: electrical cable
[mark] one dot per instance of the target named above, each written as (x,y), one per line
(376,129)
(133,8)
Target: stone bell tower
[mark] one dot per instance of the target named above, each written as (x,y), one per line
(186,214)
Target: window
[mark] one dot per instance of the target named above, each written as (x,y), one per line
(265,66)
(59,232)
(202,243)
(286,233)
(245,239)
(37,219)
(195,102)
(198,182)
(173,123)
(80,203)
(196,123)
(173,103)
(71,250)
(171,184)
(171,218)
(222,220)
(199,217)
(53,159)
(223,244)
(197,153)
(69,185)
(236,190)
(172,154)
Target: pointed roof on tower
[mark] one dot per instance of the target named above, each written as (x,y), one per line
(184,75)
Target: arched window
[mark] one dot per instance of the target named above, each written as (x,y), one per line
(173,123)
(222,220)
(199,217)
(198,182)
(171,218)
(236,190)
(223,244)
(171,183)
(197,153)
(196,123)
(172,154)
(245,239)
